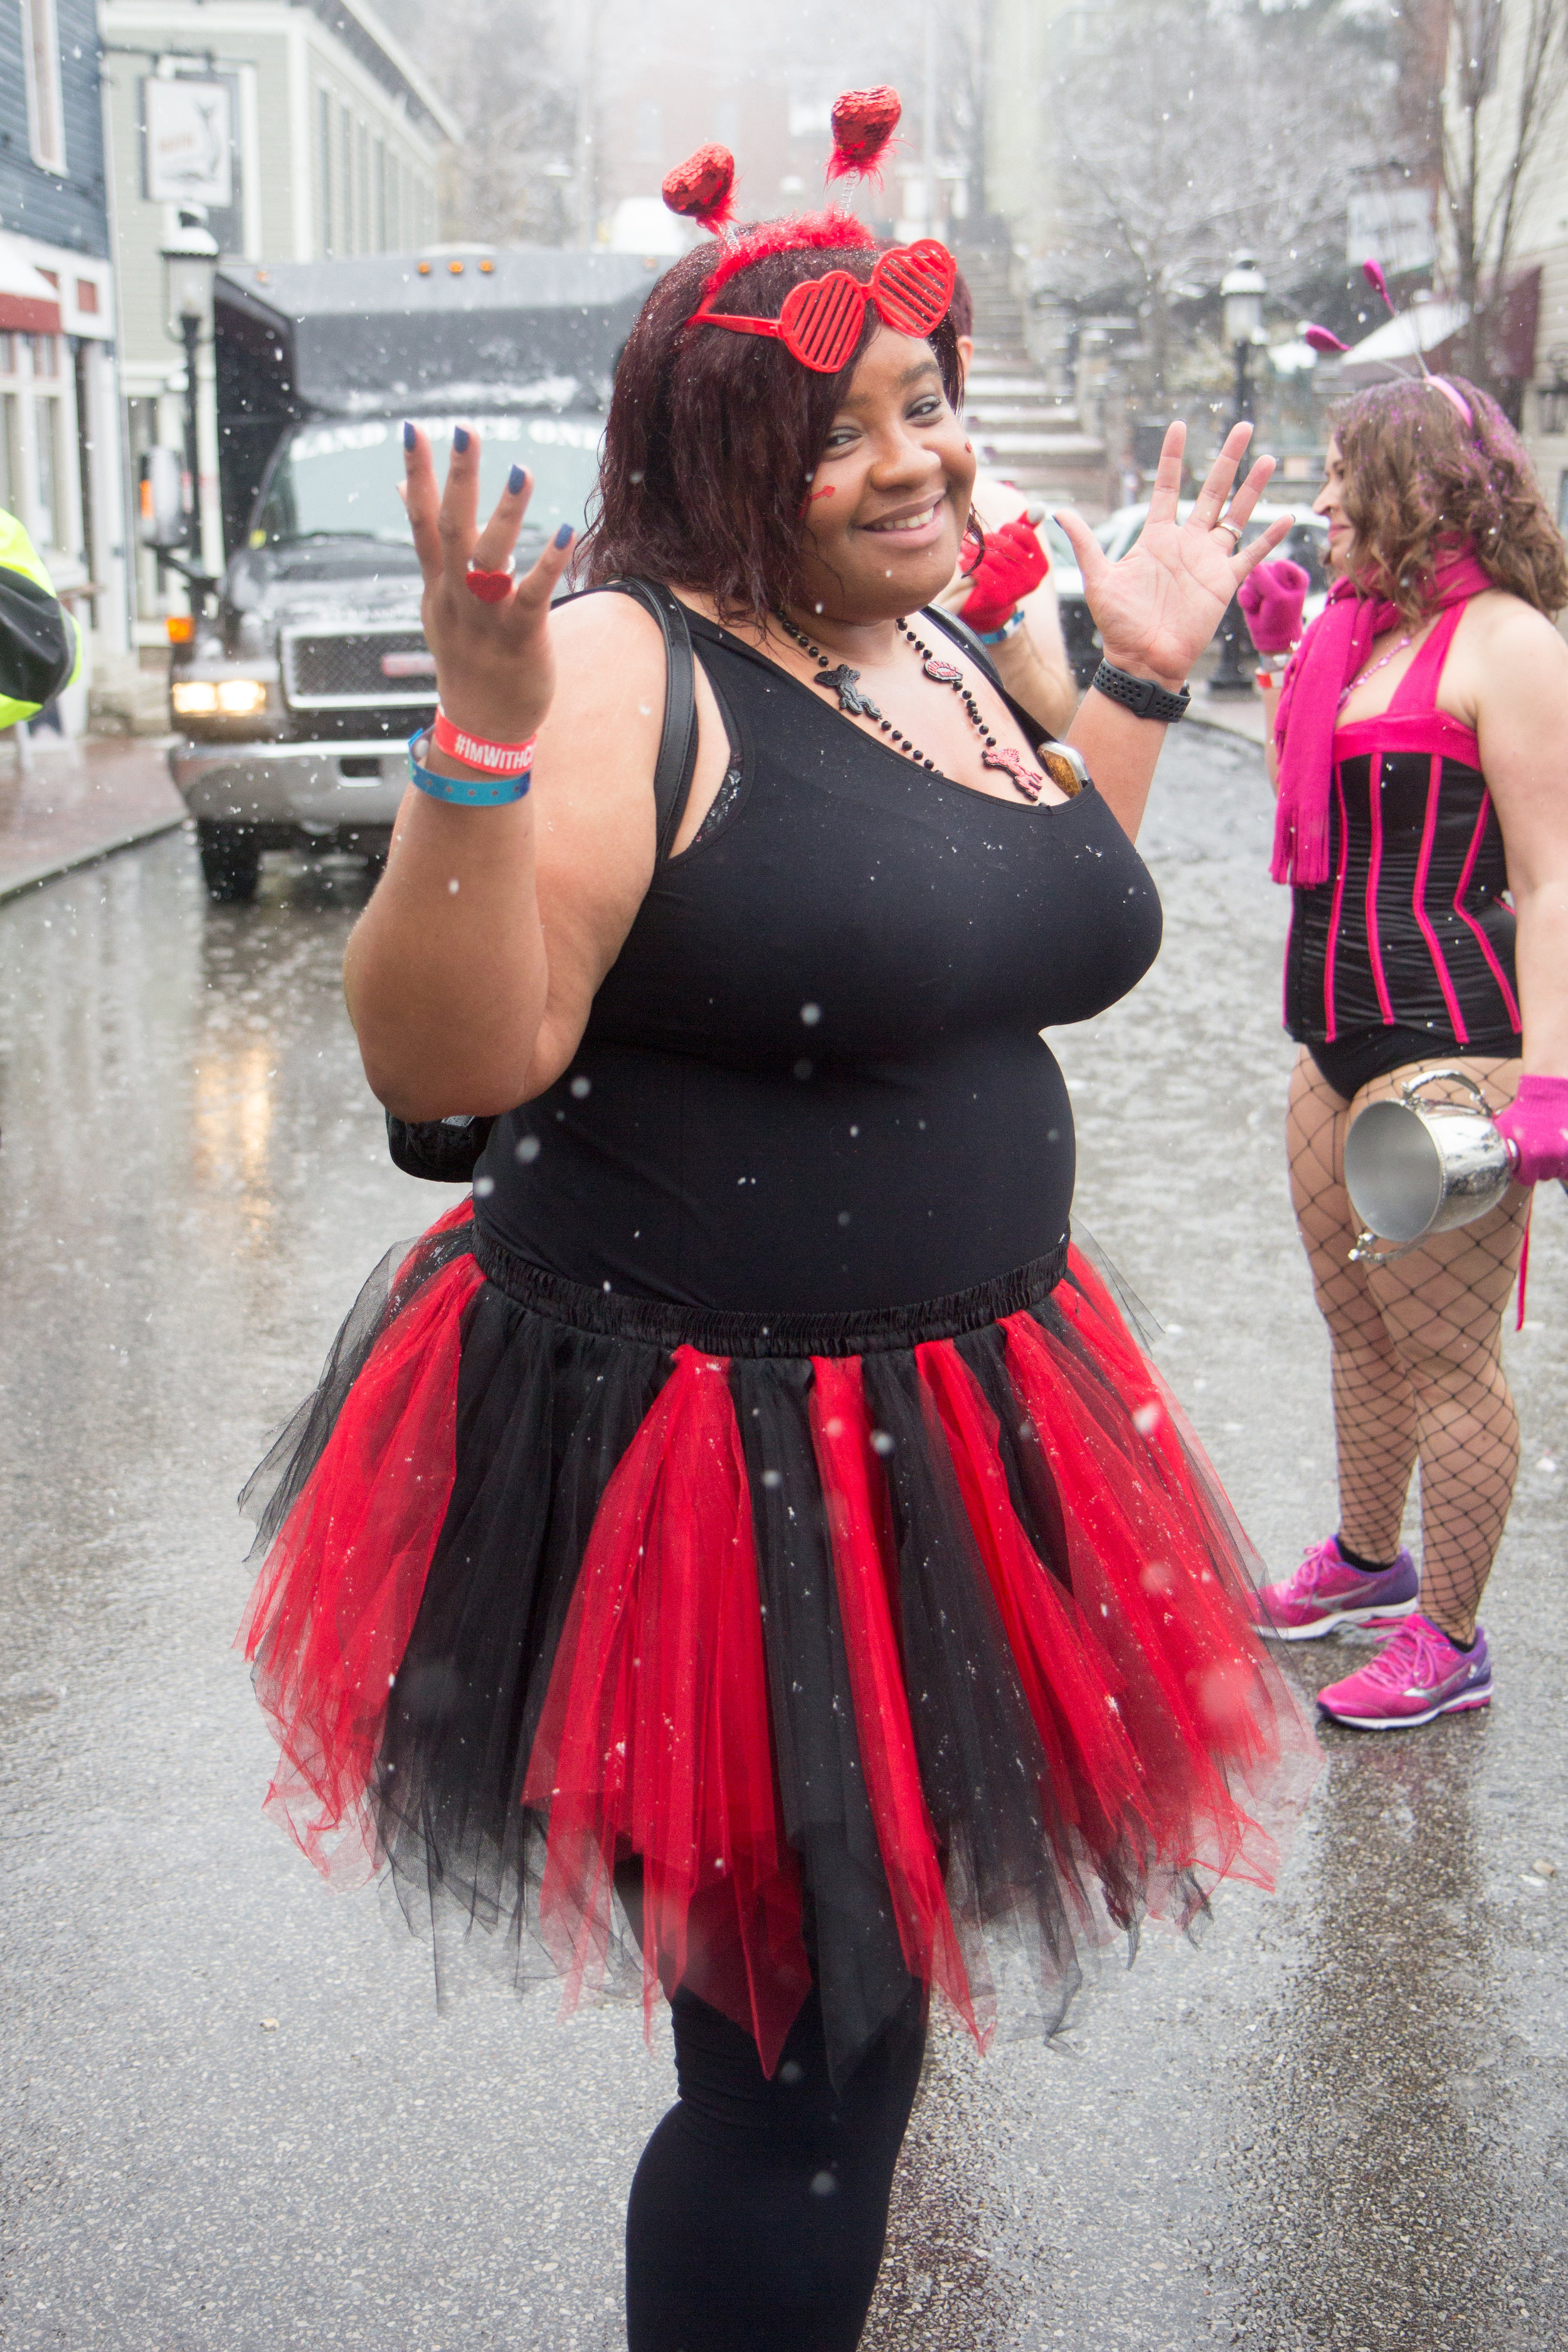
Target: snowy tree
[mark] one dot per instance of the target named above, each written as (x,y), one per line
(1187,131)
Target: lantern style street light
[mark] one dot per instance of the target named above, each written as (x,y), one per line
(1241,290)
(190,266)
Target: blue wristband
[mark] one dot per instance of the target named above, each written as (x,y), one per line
(1009,628)
(467,792)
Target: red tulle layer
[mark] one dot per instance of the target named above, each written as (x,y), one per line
(1154,1708)
(331,1613)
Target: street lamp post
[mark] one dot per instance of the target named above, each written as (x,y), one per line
(1242,289)
(190,265)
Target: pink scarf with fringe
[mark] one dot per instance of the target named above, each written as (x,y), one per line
(1328,658)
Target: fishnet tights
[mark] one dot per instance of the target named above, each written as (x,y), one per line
(1416,1348)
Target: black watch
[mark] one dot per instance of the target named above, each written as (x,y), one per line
(1141,695)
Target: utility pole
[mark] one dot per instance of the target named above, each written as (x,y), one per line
(587,134)
(928,157)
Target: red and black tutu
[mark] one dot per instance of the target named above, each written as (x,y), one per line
(846,1649)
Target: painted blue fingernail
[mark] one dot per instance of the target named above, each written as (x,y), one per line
(515,478)
(462,437)
(408,437)
(563,534)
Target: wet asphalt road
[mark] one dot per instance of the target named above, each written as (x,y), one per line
(231,2117)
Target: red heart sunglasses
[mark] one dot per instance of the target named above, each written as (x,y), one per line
(820,321)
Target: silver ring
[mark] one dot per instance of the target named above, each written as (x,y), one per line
(1225,523)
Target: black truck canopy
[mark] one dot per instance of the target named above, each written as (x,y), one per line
(469,328)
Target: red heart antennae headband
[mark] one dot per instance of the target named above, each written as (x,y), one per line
(820,321)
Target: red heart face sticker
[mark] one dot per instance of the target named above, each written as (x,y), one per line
(912,286)
(820,321)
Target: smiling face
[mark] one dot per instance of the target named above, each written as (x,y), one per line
(889,500)
(1329,503)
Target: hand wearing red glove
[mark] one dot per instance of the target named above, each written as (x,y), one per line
(1012,564)
(1271,598)
(1536,1124)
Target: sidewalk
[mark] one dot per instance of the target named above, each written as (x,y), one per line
(82,799)
(1233,714)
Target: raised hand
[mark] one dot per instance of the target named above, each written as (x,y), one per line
(495,672)
(1159,606)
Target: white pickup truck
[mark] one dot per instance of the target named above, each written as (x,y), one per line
(297,689)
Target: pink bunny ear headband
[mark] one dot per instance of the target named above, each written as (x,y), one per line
(1322,340)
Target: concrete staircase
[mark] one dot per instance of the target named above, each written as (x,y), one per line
(1020,429)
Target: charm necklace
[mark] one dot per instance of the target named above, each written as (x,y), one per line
(845,683)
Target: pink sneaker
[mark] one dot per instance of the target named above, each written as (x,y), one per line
(1326,1592)
(1416,1676)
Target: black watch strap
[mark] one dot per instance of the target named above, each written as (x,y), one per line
(1141,695)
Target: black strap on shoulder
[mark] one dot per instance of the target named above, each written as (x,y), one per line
(677,743)
(959,630)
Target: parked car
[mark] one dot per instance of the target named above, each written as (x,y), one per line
(1308,545)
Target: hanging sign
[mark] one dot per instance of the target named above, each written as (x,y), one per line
(188,127)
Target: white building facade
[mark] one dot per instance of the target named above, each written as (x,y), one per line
(300,131)
(60,471)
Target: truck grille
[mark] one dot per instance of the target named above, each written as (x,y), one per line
(357,666)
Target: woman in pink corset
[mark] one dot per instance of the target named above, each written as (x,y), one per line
(1420,754)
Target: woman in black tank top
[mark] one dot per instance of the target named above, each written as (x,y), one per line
(741,1550)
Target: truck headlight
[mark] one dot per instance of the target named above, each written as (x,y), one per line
(230,697)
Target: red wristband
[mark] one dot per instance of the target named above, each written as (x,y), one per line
(493,759)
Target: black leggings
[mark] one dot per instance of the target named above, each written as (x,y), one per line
(759,2210)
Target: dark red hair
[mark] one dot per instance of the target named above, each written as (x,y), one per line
(713,438)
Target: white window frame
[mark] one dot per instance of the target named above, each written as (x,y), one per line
(46,104)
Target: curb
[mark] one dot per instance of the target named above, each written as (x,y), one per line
(47,869)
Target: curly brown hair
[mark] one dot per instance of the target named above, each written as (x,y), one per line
(1418,479)
(712,438)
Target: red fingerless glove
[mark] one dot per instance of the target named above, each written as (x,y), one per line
(1012,564)
(1272,598)
(1536,1124)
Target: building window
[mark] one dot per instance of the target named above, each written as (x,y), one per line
(47,429)
(41,56)
(346,156)
(324,125)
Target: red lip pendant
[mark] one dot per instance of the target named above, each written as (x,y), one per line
(490,587)
(1029,780)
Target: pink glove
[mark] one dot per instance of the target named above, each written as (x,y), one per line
(1012,564)
(1536,1124)
(1271,597)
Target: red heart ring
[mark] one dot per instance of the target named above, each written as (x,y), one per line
(490,587)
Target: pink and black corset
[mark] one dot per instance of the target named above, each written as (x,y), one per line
(1411,933)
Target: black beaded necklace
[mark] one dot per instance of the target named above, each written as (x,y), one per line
(845,683)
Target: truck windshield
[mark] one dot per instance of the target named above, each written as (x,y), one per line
(341,479)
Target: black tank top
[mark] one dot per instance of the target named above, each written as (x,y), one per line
(813,1078)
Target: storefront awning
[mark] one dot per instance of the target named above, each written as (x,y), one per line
(29,305)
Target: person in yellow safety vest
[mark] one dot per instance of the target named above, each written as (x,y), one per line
(40,645)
